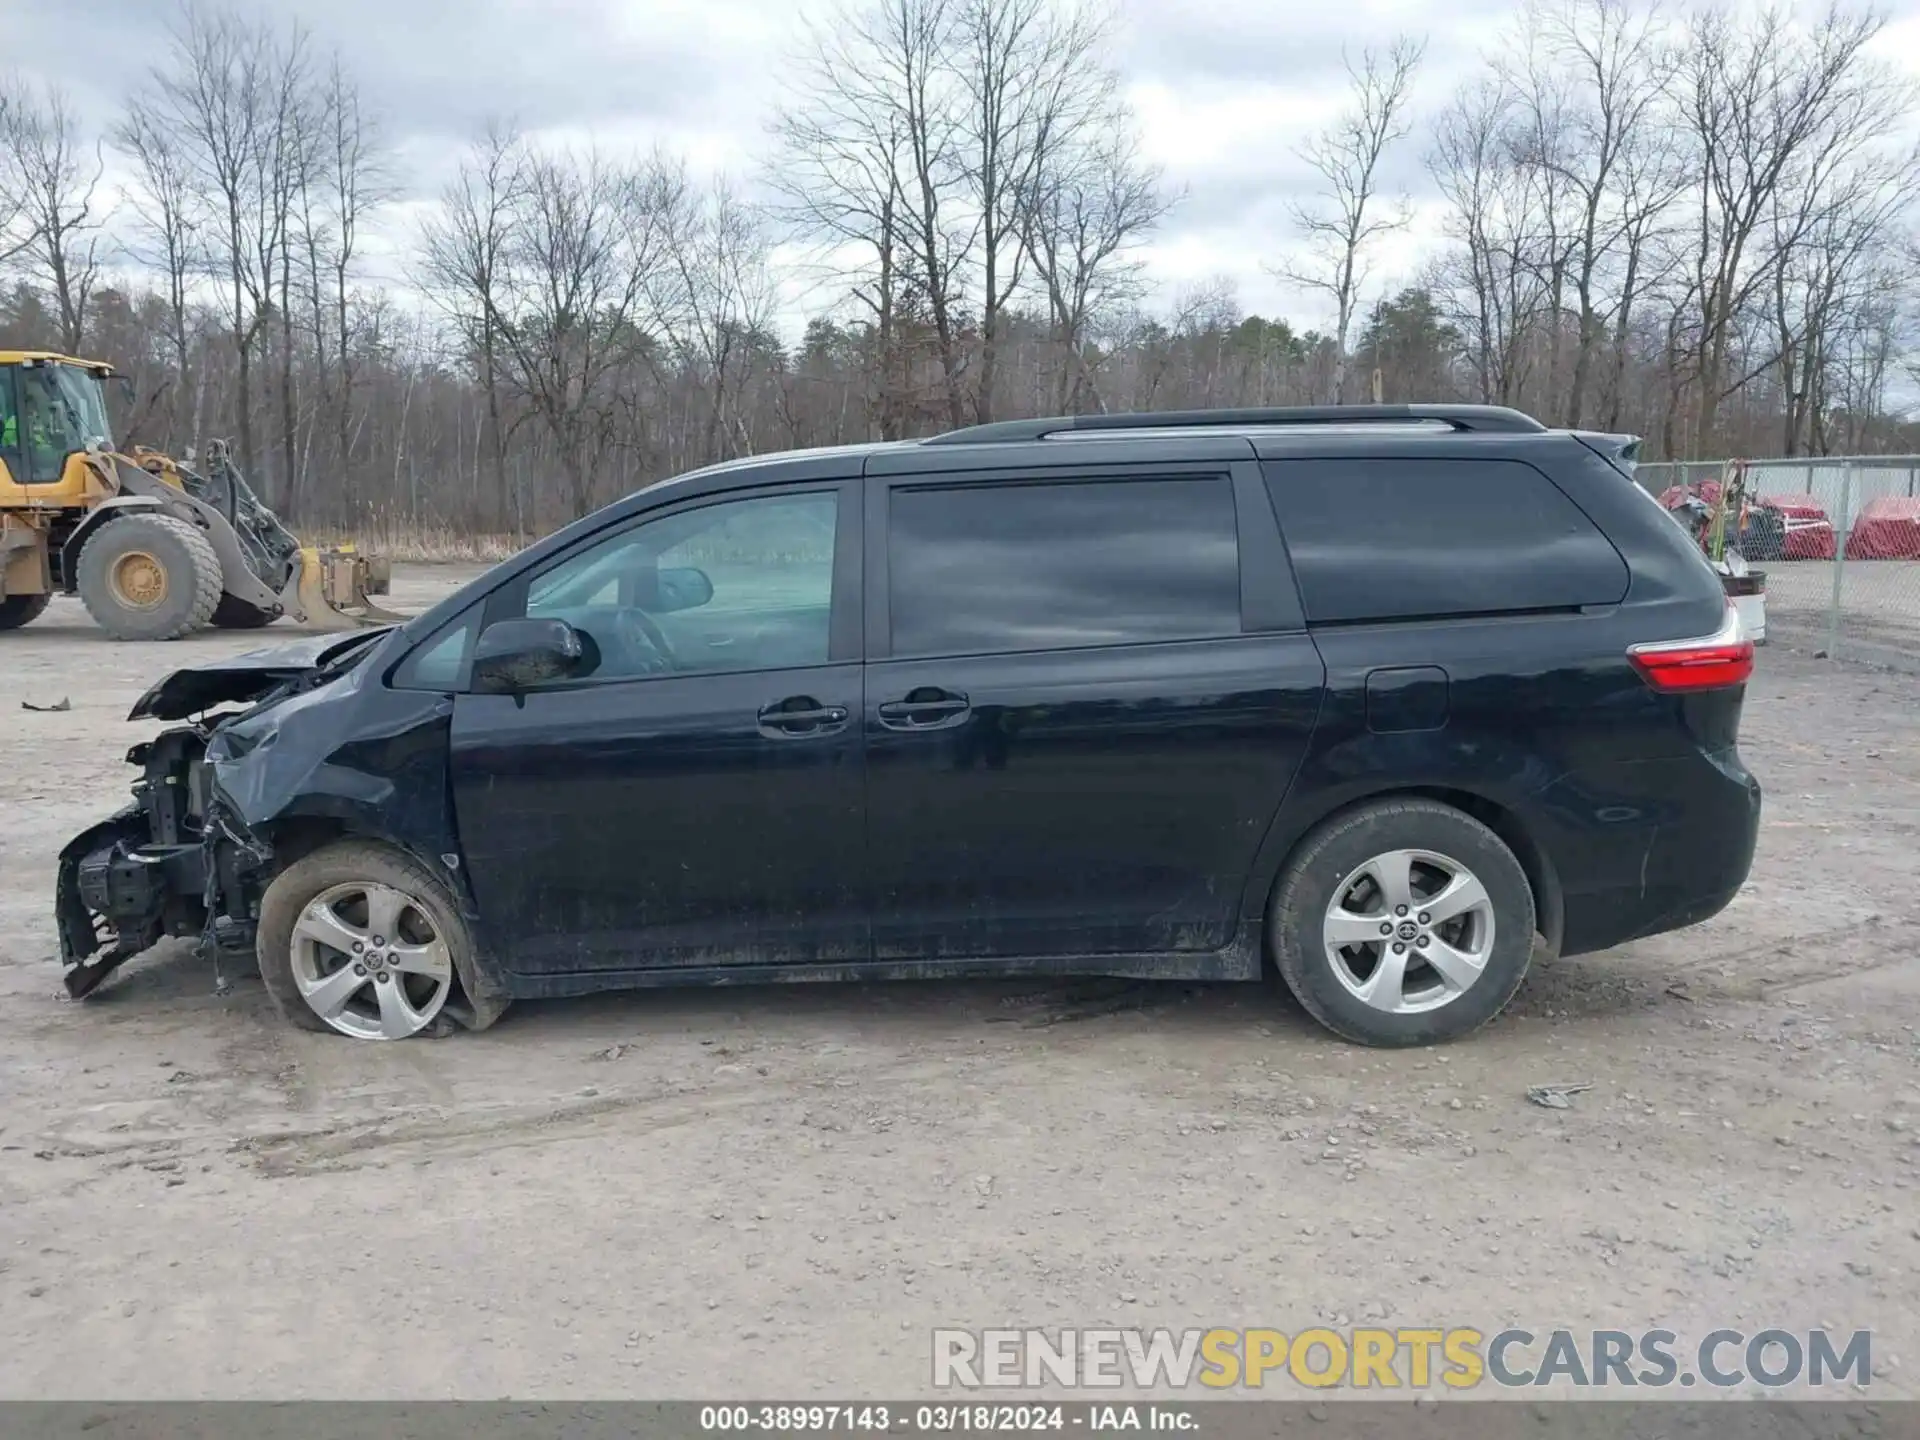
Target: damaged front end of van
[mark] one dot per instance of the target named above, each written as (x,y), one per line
(192,853)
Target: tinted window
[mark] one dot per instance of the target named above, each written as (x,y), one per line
(997,568)
(1388,538)
(738,585)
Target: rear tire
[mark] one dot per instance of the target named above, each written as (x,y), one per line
(233,613)
(18,610)
(412,982)
(1458,963)
(149,577)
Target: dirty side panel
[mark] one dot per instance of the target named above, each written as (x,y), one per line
(1085,802)
(662,823)
(1594,764)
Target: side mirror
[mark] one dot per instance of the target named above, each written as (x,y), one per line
(516,655)
(683,587)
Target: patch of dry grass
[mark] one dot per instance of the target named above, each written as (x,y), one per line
(429,545)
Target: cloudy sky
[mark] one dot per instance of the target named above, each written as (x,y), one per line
(1224,90)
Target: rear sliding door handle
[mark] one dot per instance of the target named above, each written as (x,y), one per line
(927,709)
(802,715)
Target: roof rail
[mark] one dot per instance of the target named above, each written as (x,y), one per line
(1480,418)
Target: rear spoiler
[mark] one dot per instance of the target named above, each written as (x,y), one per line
(1620,451)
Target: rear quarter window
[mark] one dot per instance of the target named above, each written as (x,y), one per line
(1406,539)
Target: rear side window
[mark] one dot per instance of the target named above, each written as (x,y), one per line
(1388,539)
(1002,568)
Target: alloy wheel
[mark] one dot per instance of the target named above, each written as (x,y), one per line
(369,961)
(1409,931)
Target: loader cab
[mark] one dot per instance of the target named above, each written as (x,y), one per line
(51,408)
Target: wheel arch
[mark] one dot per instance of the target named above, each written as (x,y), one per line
(294,835)
(1504,820)
(481,993)
(102,515)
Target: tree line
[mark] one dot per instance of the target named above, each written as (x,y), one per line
(1698,226)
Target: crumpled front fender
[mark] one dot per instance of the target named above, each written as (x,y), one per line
(375,763)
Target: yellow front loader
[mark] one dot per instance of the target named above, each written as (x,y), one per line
(154,548)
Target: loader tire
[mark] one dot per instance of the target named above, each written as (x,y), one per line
(18,610)
(149,577)
(233,613)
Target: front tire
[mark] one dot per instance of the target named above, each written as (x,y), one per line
(148,577)
(1404,922)
(18,610)
(362,940)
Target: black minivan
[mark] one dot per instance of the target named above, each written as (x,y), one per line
(1379,699)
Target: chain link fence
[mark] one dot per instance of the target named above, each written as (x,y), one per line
(1839,542)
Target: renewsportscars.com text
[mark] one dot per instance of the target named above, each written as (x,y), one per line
(1380,1358)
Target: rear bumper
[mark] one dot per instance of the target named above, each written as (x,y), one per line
(1685,872)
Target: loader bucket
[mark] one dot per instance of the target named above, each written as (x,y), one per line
(333,587)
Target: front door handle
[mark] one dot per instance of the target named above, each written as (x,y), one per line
(925,709)
(802,715)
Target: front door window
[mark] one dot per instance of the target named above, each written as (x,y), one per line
(739,585)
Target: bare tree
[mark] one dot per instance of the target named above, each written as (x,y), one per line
(51,179)
(345,181)
(1759,102)
(908,44)
(1648,184)
(1832,281)
(1032,80)
(15,234)
(586,248)
(1593,86)
(872,168)
(1492,280)
(1341,222)
(228,98)
(464,265)
(1085,215)
(838,169)
(714,297)
(169,219)
(599,323)
(1544,145)
(915,141)
(298,133)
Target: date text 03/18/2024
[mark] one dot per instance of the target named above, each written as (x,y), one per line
(941,1419)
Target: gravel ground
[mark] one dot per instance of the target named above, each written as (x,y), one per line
(1879,609)
(782,1190)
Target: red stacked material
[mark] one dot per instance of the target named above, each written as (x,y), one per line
(1707,490)
(1887,529)
(1809,533)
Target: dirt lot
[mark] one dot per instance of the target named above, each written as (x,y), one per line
(751,1192)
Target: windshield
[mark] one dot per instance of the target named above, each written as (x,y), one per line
(84,403)
(63,409)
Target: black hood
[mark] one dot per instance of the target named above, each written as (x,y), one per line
(242,678)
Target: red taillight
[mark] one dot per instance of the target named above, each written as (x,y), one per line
(1712,662)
